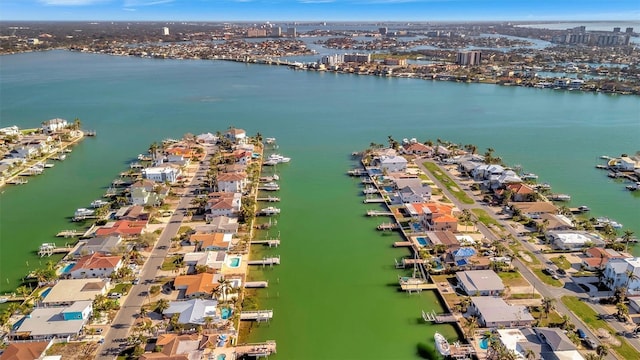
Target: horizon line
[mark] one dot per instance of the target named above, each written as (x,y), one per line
(331,21)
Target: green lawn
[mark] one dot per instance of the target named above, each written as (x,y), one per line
(525,296)
(546,278)
(561,262)
(512,278)
(448,182)
(122,288)
(590,317)
(485,218)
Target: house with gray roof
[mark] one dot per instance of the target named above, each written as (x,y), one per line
(545,343)
(492,311)
(193,312)
(573,239)
(50,322)
(66,292)
(480,282)
(107,245)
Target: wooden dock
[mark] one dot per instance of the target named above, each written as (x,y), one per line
(269,199)
(256,284)
(257,315)
(256,350)
(367,180)
(402,244)
(379,213)
(411,284)
(388,226)
(69,233)
(438,318)
(266,261)
(373,200)
(270,243)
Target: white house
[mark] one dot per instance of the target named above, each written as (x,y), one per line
(238,136)
(224,204)
(617,274)
(53,125)
(95,265)
(495,312)
(232,182)
(573,239)
(161,174)
(393,163)
(10,131)
(480,282)
(60,322)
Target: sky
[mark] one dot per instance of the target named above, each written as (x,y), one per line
(320,10)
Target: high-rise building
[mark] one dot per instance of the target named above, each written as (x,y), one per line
(165,31)
(616,29)
(291,32)
(383,31)
(470,58)
(629,30)
(276,31)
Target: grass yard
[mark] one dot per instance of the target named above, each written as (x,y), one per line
(513,279)
(546,278)
(485,218)
(561,262)
(448,182)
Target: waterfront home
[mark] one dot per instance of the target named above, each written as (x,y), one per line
(105,245)
(492,311)
(460,257)
(597,258)
(544,343)
(162,174)
(534,209)
(198,285)
(66,292)
(504,179)
(193,312)
(555,221)
(211,241)
(23,152)
(223,204)
(486,171)
(412,190)
(519,192)
(125,228)
(10,131)
(480,282)
(446,238)
(206,138)
(616,274)
(393,163)
(54,125)
(437,217)
(223,224)
(624,163)
(50,322)
(146,192)
(176,347)
(27,350)
(235,168)
(95,266)
(135,213)
(213,260)
(573,239)
(236,136)
(416,148)
(242,157)
(232,182)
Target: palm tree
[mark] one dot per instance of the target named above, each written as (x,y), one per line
(529,354)
(547,305)
(631,277)
(626,237)
(162,305)
(143,312)
(465,218)
(472,326)
(602,351)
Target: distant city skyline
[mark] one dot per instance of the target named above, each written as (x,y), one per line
(320,10)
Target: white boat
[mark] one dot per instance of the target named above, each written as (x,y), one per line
(560,197)
(270,163)
(278,158)
(81,212)
(270,186)
(49,165)
(270,211)
(529,176)
(60,157)
(633,187)
(3,300)
(442,344)
(98,203)
(604,220)
(270,140)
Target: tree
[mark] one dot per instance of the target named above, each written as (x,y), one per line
(602,351)
(143,312)
(472,326)
(76,124)
(547,305)
(626,238)
(162,305)
(465,218)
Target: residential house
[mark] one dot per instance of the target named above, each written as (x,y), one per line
(392,163)
(177,347)
(535,208)
(105,245)
(10,131)
(223,224)
(198,285)
(573,239)
(125,228)
(207,138)
(505,178)
(543,343)
(623,273)
(486,171)
(412,190)
(193,312)
(624,163)
(23,152)
(597,258)
(416,148)
(519,192)
(223,204)
(242,157)
(66,292)
(50,322)
(237,136)
(555,222)
(162,174)
(211,241)
(95,266)
(26,350)
(54,125)
(492,312)
(438,217)
(446,238)
(144,193)
(211,259)
(460,257)
(480,282)
(232,182)
(235,168)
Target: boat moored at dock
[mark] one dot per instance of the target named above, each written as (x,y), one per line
(442,344)
(268,211)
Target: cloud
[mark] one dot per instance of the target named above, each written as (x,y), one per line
(139,3)
(71,2)
(315,1)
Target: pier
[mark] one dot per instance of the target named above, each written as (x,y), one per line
(69,233)
(356,172)
(18,181)
(402,244)
(438,319)
(257,315)
(379,213)
(269,199)
(373,200)
(413,284)
(48,249)
(266,261)
(256,284)
(388,226)
(270,243)
(256,350)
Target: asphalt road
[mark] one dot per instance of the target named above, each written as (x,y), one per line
(544,289)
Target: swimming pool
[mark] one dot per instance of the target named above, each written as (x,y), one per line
(484,344)
(234,262)
(422,241)
(45,293)
(221,357)
(225,313)
(67,268)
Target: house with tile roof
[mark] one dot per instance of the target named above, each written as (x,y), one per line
(68,291)
(223,204)
(519,192)
(176,347)
(237,136)
(125,228)
(198,285)
(438,217)
(534,209)
(26,350)
(211,241)
(222,224)
(95,266)
(597,258)
(232,182)
(416,148)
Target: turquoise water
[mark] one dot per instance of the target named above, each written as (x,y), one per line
(484,344)
(337,271)
(67,268)
(422,241)
(221,357)
(225,313)
(234,262)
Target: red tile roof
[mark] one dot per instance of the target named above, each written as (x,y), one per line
(96,261)
(122,227)
(25,351)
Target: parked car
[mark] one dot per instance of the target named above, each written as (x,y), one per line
(136,281)
(581,334)
(114,295)
(562,272)
(591,344)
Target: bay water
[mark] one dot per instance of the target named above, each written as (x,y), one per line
(335,295)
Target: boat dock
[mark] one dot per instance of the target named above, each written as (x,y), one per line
(269,199)
(459,351)
(69,233)
(266,261)
(256,350)
(402,244)
(373,200)
(367,180)
(18,181)
(560,197)
(256,284)
(356,172)
(379,213)
(270,243)
(48,249)
(415,284)
(257,315)
(438,319)
(388,226)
